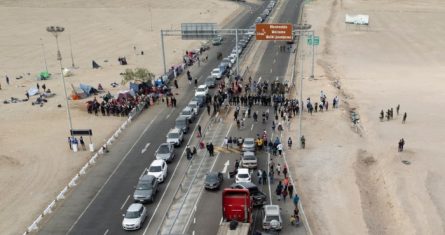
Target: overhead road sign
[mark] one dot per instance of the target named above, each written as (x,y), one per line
(281,32)
(313,40)
(196,31)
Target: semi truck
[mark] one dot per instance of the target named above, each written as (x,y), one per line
(237,212)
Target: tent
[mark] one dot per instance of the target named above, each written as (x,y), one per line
(44,75)
(95,65)
(134,87)
(89,90)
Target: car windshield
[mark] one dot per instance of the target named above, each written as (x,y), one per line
(173,135)
(243,176)
(132,215)
(212,177)
(272,217)
(201,89)
(163,149)
(248,142)
(249,157)
(143,186)
(155,169)
(186,112)
(215,71)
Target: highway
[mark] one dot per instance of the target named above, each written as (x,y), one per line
(272,67)
(98,202)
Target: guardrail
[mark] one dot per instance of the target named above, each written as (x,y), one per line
(75,180)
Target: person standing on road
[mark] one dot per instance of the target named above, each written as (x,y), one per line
(260,176)
(7,79)
(280,149)
(196,82)
(82,143)
(69,143)
(271,176)
(226,142)
(397,109)
(211,149)
(295,200)
(188,152)
(404,118)
(289,143)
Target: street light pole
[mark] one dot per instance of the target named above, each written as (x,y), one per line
(55,31)
(301,90)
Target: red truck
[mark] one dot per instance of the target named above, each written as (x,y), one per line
(237,212)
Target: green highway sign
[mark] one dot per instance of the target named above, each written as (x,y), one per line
(315,40)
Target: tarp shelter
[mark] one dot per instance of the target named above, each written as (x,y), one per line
(80,93)
(32,91)
(44,75)
(134,87)
(125,95)
(357,19)
(89,90)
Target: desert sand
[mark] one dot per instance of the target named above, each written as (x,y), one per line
(352,179)
(35,161)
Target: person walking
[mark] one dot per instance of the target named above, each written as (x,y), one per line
(280,149)
(38,87)
(285,172)
(196,82)
(295,200)
(208,109)
(279,190)
(271,176)
(226,142)
(401,144)
(211,149)
(82,143)
(290,188)
(7,79)
(27,95)
(176,83)
(397,109)
(289,143)
(264,176)
(44,87)
(188,152)
(199,131)
(404,118)
(278,169)
(284,193)
(260,176)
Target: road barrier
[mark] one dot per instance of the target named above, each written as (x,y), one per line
(73,181)
(49,208)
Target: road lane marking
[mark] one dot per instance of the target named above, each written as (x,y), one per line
(225,167)
(277,53)
(106,232)
(171,177)
(270,70)
(220,222)
(274,61)
(259,79)
(111,175)
(251,128)
(268,173)
(202,188)
(125,202)
(168,115)
(145,148)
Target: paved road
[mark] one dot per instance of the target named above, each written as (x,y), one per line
(273,66)
(97,204)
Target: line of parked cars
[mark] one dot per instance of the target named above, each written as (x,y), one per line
(147,186)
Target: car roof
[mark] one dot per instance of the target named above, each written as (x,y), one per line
(135,207)
(146,178)
(202,86)
(164,144)
(187,108)
(157,162)
(243,170)
(272,209)
(181,118)
(215,69)
(174,130)
(212,173)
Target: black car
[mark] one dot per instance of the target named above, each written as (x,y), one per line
(259,198)
(213,180)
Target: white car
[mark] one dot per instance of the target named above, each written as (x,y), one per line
(134,217)
(194,106)
(158,169)
(249,160)
(232,58)
(272,218)
(243,175)
(202,90)
(227,61)
(216,73)
(175,137)
(239,50)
